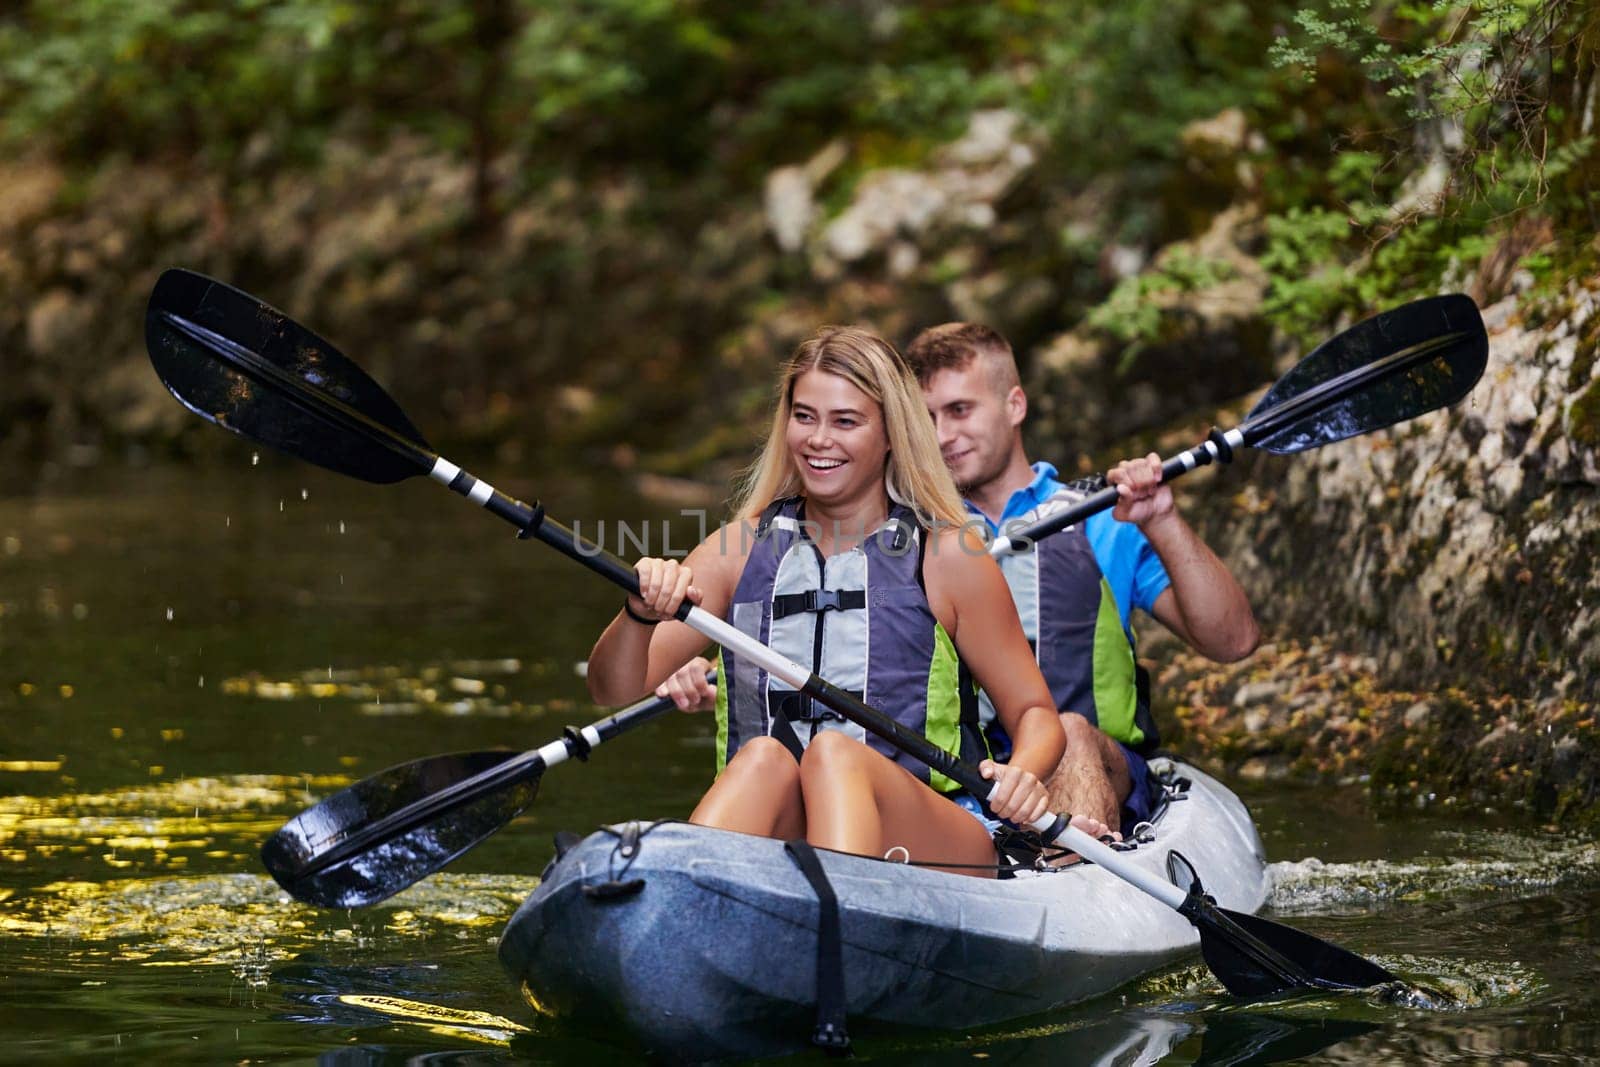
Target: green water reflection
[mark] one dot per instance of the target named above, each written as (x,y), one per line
(188,658)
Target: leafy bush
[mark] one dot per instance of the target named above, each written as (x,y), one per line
(1132,312)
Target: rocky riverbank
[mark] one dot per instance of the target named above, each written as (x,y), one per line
(1432,591)
(1306,711)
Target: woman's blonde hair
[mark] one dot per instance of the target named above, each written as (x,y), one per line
(915,475)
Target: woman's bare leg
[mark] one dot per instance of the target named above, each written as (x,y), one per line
(758,792)
(858,801)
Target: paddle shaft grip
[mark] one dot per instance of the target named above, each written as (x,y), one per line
(637,714)
(1055,829)
(1217,448)
(579,741)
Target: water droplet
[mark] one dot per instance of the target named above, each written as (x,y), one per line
(228,520)
(280,505)
(341,526)
(169,614)
(305,494)
(202,681)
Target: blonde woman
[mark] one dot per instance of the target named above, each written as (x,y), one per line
(848,551)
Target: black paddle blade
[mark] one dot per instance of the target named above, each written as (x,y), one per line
(389,831)
(247,367)
(1256,957)
(1395,366)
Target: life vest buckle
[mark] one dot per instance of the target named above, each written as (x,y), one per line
(817,601)
(823,600)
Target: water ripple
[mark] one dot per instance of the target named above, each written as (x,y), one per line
(1494,863)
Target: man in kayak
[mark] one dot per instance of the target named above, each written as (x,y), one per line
(1076,589)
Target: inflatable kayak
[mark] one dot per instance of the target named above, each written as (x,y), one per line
(705,943)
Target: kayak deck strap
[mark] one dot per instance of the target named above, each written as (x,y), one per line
(830,1033)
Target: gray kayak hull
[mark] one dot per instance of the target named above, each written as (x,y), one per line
(715,953)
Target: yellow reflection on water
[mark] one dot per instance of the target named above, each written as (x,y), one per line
(157,825)
(482,1026)
(246,919)
(458,687)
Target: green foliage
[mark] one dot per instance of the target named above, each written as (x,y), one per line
(1321,263)
(692,86)
(642,119)
(1463,79)
(168,78)
(1132,312)
(1116,84)
(1469,91)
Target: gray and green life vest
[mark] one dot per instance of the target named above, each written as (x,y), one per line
(1070,617)
(861,620)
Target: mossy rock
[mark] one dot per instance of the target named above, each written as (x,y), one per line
(1583,418)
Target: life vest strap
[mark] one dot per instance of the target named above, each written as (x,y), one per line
(818,600)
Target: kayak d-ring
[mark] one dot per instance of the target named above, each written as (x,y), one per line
(627,848)
(1142,834)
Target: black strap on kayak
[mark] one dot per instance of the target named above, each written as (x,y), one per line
(830,1033)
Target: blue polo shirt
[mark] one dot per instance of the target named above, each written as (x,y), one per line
(1129,563)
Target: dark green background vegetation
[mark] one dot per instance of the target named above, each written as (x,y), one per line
(490,201)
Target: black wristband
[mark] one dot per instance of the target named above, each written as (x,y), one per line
(635,616)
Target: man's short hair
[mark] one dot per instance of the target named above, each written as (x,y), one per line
(954,345)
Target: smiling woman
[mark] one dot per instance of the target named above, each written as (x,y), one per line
(860,377)
(851,556)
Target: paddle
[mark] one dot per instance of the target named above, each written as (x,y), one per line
(1394,366)
(391,830)
(245,366)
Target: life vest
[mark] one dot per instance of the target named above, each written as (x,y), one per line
(859,619)
(1070,617)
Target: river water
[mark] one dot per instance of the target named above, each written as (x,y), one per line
(189,657)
